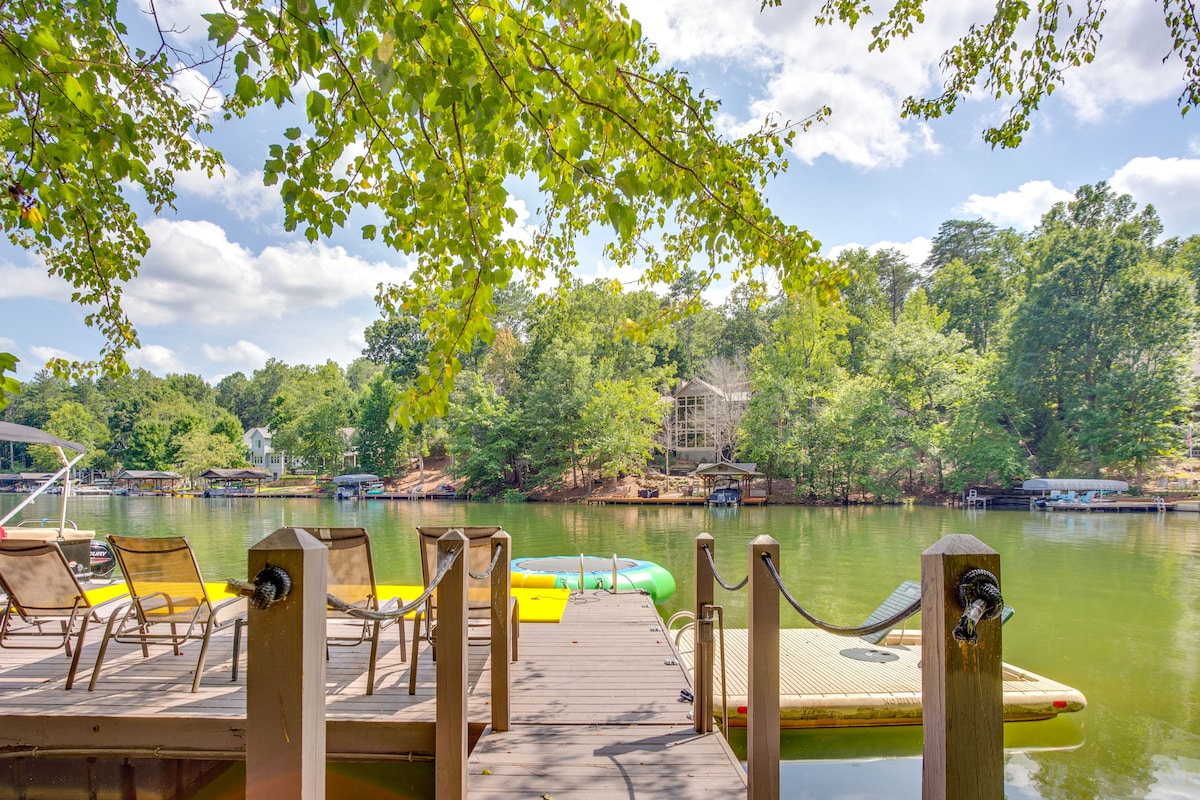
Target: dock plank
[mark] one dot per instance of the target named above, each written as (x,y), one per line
(604,720)
(596,710)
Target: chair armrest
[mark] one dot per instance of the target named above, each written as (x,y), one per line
(109,607)
(155,601)
(230,610)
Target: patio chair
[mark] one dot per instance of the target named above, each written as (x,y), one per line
(43,591)
(352,579)
(479,592)
(169,603)
(904,595)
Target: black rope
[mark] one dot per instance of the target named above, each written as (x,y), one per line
(859,630)
(366,613)
(487,572)
(979,595)
(716,575)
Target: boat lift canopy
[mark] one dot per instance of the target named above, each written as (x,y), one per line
(1074,484)
(11,432)
(350,480)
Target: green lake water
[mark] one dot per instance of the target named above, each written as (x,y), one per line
(1107,603)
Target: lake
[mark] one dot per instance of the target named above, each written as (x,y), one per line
(1107,603)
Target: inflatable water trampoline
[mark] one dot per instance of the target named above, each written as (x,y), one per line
(564,572)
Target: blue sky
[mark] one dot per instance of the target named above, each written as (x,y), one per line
(224,287)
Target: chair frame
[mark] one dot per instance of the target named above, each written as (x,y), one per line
(341,542)
(479,611)
(81,611)
(134,625)
(901,597)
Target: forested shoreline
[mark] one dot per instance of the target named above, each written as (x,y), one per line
(1066,351)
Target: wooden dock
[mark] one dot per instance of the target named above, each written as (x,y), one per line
(668,500)
(595,709)
(1111,507)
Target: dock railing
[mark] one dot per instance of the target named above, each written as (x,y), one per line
(285,673)
(961,673)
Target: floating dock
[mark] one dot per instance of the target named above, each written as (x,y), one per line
(828,681)
(595,711)
(1111,507)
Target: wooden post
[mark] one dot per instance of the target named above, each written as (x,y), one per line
(702,642)
(762,724)
(961,684)
(450,749)
(285,674)
(502,632)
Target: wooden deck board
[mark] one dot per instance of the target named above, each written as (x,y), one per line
(596,709)
(602,720)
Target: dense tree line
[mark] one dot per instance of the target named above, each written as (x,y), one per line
(1065,351)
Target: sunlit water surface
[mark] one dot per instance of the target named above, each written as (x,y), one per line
(1107,603)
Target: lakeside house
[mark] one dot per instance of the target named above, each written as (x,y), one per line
(265,457)
(703,421)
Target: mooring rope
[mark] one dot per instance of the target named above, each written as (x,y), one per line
(370,614)
(858,630)
(717,575)
(487,572)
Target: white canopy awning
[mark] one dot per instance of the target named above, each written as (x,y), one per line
(1074,485)
(361,477)
(11,432)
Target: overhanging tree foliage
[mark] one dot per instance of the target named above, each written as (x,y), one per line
(1022,53)
(420,111)
(86,119)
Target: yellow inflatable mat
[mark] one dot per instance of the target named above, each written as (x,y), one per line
(534,605)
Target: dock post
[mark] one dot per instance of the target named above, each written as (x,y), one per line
(450,748)
(762,723)
(702,639)
(502,633)
(285,673)
(961,684)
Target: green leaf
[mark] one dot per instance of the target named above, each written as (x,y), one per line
(221,28)
(78,95)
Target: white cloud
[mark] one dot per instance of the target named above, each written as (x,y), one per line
(242,354)
(180,20)
(717,295)
(798,67)
(44,354)
(1022,208)
(194,273)
(1129,70)
(1171,185)
(16,281)
(196,90)
(914,251)
(803,67)
(243,193)
(356,333)
(608,271)
(520,230)
(156,358)
(7,343)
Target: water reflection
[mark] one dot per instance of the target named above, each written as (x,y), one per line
(1107,603)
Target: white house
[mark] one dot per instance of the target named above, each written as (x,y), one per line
(263,456)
